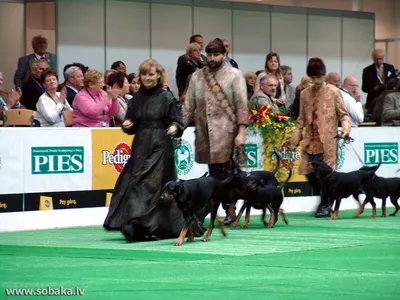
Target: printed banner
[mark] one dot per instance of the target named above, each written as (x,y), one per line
(11,160)
(57,159)
(111,149)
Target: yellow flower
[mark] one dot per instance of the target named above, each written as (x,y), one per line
(255,126)
(254,112)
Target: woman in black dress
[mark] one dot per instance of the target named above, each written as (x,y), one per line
(153,115)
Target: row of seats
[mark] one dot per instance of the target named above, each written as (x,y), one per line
(26,117)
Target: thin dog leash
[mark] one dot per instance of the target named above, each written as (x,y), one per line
(347,141)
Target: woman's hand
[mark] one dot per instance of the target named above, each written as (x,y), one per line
(172,130)
(280,101)
(113,93)
(127,124)
(63,95)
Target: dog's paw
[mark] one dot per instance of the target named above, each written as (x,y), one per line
(190,240)
(178,243)
(332,218)
(244,226)
(205,239)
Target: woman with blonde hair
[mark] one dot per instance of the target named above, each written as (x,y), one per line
(93,107)
(153,116)
(250,78)
(272,67)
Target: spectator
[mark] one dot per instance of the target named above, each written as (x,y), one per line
(93,107)
(263,97)
(290,91)
(52,104)
(305,82)
(73,82)
(134,83)
(33,88)
(389,87)
(119,66)
(334,79)
(23,73)
(352,100)
(119,81)
(250,78)
(391,108)
(230,62)
(8,100)
(374,76)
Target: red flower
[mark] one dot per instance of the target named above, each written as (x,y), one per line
(281,117)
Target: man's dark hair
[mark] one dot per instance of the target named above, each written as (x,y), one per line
(194,37)
(115,65)
(75,64)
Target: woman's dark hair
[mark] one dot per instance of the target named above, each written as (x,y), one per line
(47,73)
(316,67)
(116,78)
(268,58)
(131,77)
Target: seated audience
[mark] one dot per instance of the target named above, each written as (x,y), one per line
(92,106)
(263,97)
(52,104)
(118,81)
(389,87)
(229,61)
(134,83)
(290,90)
(119,66)
(73,82)
(391,108)
(33,88)
(8,100)
(305,82)
(272,68)
(250,78)
(352,100)
(333,78)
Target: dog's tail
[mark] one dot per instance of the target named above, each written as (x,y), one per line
(278,163)
(283,184)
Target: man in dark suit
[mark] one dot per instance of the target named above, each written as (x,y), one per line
(23,73)
(375,76)
(196,38)
(73,82)
(33,88)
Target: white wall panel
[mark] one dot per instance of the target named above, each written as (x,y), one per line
(325,41)
(127,33)
(171,30)
(80,33)
(213,23)
(358,44)
(289,40)
(251,39)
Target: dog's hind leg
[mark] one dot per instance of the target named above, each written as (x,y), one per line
(214,210)
(285,219)
(360,210)
(264,211)
(247,218)
(396,205)
(371,200)
(190,235)
(221,225)
(234,223)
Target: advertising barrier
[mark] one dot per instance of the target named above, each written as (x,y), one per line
(63,168)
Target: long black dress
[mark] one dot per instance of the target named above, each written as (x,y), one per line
(135,207)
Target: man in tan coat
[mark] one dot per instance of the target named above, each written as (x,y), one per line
(321,110)
(218,94)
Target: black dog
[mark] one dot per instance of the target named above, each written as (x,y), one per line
(241,179)
(381,188)
(193,195)
(261,196)
(337,185)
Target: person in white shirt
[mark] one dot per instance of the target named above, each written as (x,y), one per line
(52,104)
(351,96)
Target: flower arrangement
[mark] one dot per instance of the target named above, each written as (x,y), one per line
(264,117)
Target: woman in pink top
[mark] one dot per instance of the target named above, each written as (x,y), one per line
(93,106)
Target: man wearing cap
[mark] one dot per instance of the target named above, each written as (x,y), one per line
(219,95)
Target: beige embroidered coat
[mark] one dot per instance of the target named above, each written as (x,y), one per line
(330,110)
(215,130)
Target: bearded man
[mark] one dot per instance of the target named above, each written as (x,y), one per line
(218,94)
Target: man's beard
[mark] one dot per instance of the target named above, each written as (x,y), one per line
(214,65)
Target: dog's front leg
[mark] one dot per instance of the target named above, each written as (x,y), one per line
(190,237)
(264,211)
(272,217)
(214,210)
(234,223)
(360,210)
(337,206)
(372,201)
(184,231)
(384,206)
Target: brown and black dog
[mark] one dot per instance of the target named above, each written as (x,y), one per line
(381,188)
(194,195)
(339,185)
(262,196)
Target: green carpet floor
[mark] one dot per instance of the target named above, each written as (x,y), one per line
(307,259)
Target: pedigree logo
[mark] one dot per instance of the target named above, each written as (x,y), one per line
(118,158)
(287,156)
